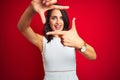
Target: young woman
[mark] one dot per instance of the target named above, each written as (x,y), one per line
(58,43)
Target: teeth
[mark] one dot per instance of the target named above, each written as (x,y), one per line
(57,27)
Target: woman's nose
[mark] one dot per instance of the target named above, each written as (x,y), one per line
(58,21)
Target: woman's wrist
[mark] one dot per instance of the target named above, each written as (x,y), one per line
(82,46)
(80,43)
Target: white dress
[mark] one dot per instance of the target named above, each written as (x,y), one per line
(59,61)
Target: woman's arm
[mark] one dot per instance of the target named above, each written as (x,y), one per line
(72,39)
(26,30)
(40,7)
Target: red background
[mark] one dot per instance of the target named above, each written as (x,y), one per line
(97,22)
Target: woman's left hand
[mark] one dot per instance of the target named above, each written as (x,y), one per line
(69,38)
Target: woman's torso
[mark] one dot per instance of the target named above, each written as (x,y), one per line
(58,59)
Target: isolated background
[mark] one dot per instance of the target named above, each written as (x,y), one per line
(97,22)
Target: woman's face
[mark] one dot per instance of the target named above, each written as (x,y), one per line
(56,20)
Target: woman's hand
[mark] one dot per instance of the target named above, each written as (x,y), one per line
(41,6)
(69,38)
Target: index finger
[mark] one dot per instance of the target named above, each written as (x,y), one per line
(55,33)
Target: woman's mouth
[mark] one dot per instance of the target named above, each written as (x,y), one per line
(57,27)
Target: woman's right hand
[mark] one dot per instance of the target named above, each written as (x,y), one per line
(41,6)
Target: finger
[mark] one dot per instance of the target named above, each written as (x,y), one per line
(42,17)
(55,33)
(44,1)
(58,7)
(66,44)
(49,2)
(52,1)
(73,24)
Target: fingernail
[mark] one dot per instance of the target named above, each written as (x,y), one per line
(74,18)
(47,4)
(44,1)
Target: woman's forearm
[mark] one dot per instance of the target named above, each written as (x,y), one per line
(26,18)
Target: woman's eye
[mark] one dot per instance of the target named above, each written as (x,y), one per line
(54,17)
(61,18)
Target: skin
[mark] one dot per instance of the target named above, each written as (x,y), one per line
(40,7)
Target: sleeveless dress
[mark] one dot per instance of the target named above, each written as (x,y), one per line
(59,61)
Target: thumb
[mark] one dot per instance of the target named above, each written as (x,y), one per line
(58,7)
(42,17)
(73,24)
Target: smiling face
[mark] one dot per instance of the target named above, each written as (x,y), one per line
(56,20)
